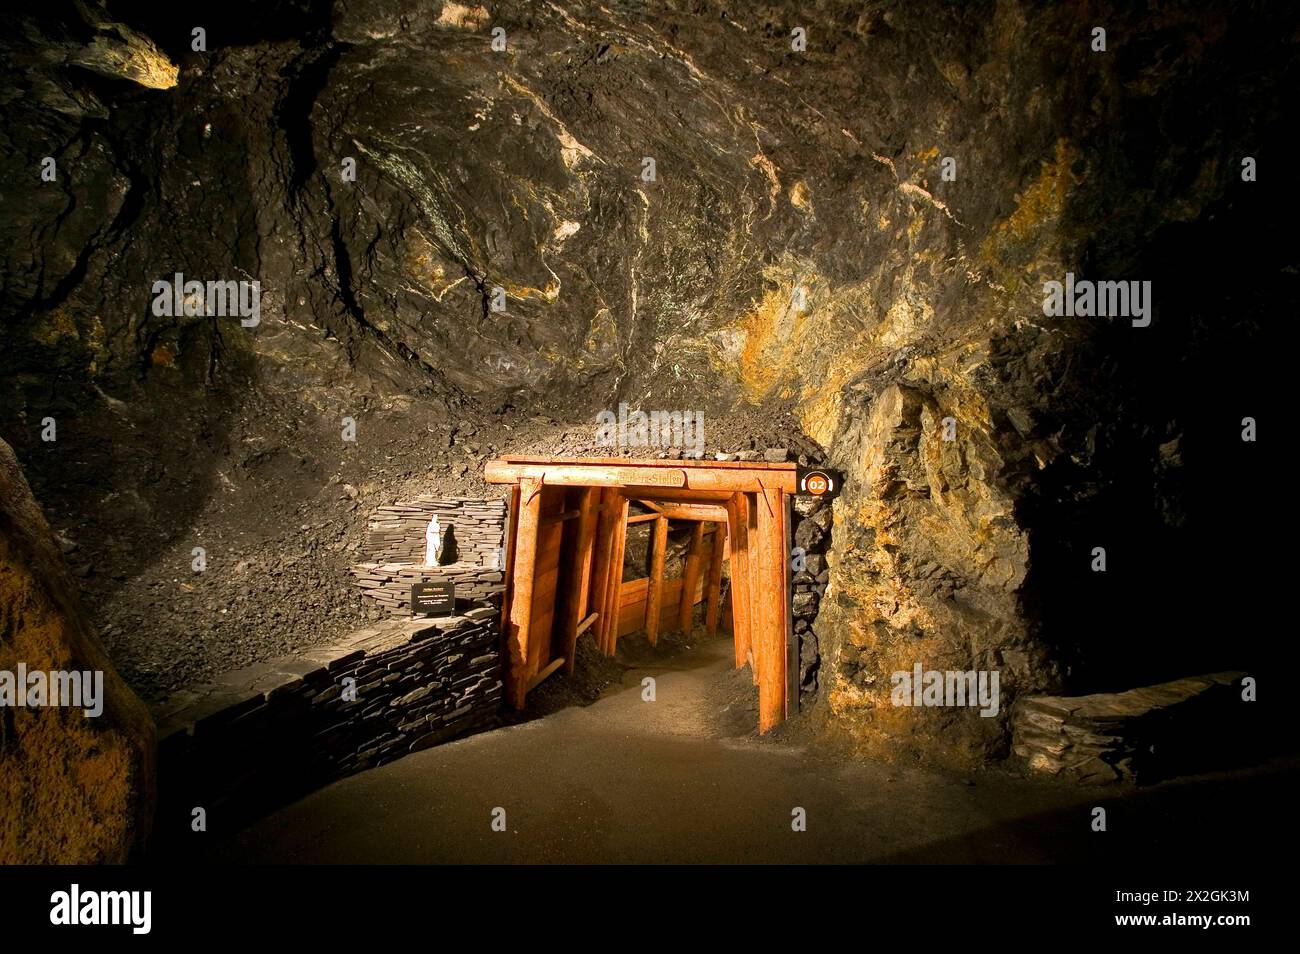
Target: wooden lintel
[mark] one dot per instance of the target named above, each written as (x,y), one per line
(670,474)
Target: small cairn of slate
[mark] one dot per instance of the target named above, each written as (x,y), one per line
(1126,736)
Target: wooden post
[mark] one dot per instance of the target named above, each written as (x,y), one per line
(521,590)
(580,575)
(658,546)
(614,596)
(769,636)
(690,579)
(715,579)
(738,510)
(604,553)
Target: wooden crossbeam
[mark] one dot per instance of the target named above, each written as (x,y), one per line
(689,511)
(673,476)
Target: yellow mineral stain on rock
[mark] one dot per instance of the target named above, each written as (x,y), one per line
(54,327)
(462,17)
(1039,205)
(799,196)
(163,356)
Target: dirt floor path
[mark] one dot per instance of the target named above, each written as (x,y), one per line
(679,780)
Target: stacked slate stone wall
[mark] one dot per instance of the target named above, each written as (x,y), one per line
(473,547)
(812,535)
(473,530)
(389,584)
(271,732)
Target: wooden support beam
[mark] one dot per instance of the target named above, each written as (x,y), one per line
(643,517)
(715,583)
(604,548)
(739,535)
(715,513)
(507,570)
(521,599)
(658,548)
(580,574)
(650,462)
(669,474)
(769,637)
(616,592)
(586,623)
(690,579)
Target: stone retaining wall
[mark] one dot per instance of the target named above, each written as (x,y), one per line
(274,731)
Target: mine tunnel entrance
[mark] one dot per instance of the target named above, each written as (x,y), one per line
(567,543)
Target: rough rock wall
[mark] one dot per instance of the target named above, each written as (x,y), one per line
(797,247)
(73,789)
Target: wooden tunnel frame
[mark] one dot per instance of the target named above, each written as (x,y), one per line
(566,536)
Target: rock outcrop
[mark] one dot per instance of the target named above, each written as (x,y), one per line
(685,209)
(73,789)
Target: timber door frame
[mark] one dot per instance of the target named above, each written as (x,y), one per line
(754,498)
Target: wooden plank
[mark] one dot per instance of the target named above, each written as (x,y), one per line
(553,665)
(612,597)
(663,462)
(573,475)
(694,476)
(604,546)
(658,549)
(586,623)
(546,579)
(791,640)
(632,616)
(581,576)
(682,511)
(690,579)
(643,517)
(754,577)
(739,578)
(769,638)
(715,583)
(512,517)
(521,603)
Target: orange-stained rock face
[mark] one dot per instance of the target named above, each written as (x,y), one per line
(73,790)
